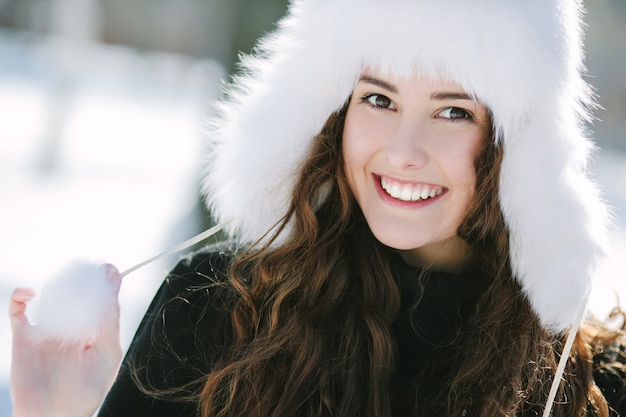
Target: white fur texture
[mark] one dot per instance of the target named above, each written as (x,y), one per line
(74,303)
(522,59)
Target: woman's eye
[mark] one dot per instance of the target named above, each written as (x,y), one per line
(454,113)
(379,101)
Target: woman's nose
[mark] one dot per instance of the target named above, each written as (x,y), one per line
(405,148)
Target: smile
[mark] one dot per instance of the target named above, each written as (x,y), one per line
(409,192)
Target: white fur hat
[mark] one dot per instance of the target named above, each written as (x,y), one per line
(522,59)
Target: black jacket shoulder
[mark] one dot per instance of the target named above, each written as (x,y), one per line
(184,333)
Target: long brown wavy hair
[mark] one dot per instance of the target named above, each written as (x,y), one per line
(313,315)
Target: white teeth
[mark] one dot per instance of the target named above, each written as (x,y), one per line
(409,192)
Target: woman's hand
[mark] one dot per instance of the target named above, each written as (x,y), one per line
(52,379)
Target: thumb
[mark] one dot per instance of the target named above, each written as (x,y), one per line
(17,308)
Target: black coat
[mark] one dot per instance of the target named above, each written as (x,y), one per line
(187,328)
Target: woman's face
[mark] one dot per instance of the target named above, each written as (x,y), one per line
(409,146)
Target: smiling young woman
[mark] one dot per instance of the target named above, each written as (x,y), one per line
(415,232)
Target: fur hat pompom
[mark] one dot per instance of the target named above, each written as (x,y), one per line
(73,305)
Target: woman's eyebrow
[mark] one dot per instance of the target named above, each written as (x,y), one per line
(441,95)
(449,95)
(379,83)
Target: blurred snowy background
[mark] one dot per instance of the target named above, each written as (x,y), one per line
(102,105)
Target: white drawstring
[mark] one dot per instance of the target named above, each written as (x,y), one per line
(182,246)
(560,369)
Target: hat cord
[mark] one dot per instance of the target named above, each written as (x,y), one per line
(180,247)
(560,370)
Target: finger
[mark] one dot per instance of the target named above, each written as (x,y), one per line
(114,275)
(17,307)
(111,326)
(116,281)
(109,334)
